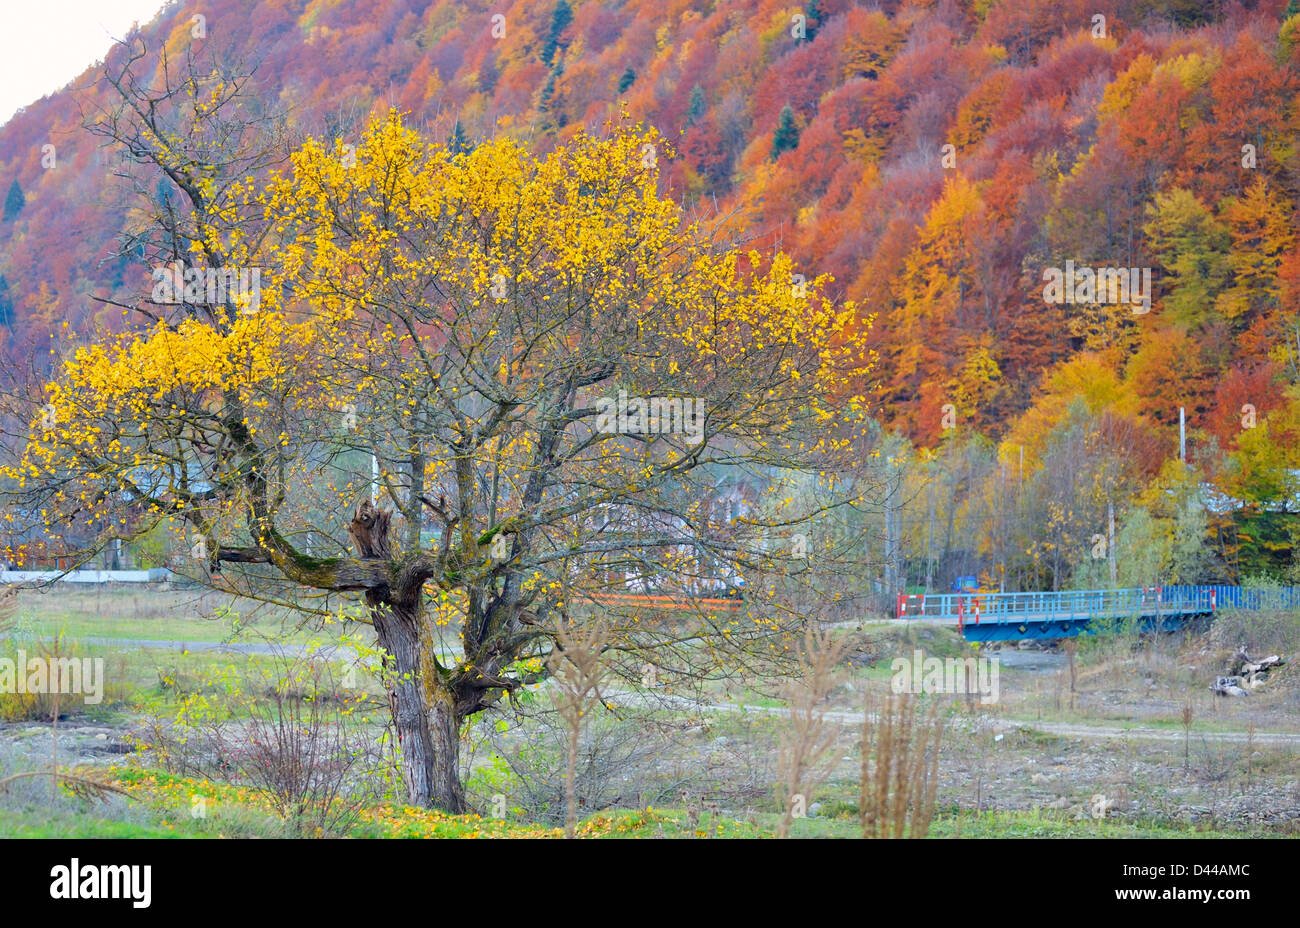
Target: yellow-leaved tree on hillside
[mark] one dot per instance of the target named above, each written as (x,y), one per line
(478,327)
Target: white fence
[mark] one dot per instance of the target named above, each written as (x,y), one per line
(153,575)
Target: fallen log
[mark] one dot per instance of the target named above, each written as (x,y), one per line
(1243,664)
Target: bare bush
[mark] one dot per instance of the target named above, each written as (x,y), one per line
(8,603)
(50,703)
(808,736)
(900,759)
(1266,631)
(577,668)
(289,736)
(620,763)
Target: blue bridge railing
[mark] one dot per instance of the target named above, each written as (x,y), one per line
(1238,598)
(1067,610)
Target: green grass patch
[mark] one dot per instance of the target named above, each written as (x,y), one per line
(44,823)
(1042,823)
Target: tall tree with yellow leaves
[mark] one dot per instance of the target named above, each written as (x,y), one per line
(550,369)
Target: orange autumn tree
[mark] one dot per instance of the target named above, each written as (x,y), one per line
(461,320)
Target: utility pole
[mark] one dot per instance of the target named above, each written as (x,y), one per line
(929,534)
(890,589)
(892,585)
(1020,493)
(1110,540)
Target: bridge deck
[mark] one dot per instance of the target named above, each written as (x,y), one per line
(1002,616)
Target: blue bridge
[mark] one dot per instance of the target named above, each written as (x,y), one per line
(1012,616)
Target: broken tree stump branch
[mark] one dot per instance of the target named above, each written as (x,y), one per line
(1245,674)
(369,529)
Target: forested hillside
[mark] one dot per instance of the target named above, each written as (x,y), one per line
(938,160)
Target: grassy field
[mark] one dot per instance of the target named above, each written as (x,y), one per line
(160,805)
(178,616)
(698,765)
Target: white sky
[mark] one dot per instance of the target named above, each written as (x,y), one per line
(44,44)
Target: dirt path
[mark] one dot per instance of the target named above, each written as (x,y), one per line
(1071,730)
(232,647)
(1058,729)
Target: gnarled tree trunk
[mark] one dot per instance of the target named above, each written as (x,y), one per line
(422,704)
(424,714)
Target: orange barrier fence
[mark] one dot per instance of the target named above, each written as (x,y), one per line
(665,602)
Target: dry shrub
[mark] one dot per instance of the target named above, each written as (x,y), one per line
(8,603)
(285,733)
(900,761)
(1264,632)
(51,704)
(577,667)
(300,756)
(808,736)
(623,762)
